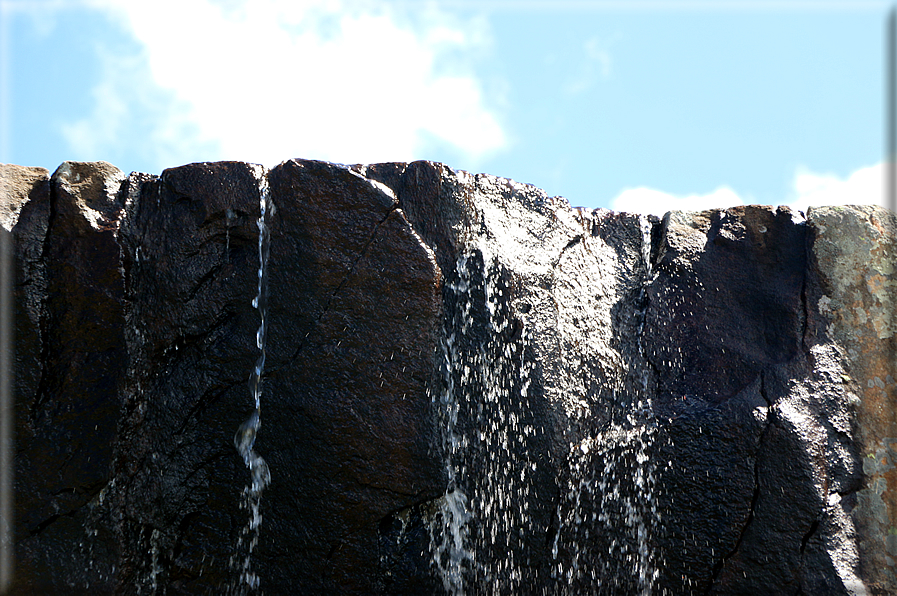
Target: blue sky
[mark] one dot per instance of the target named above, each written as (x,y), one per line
(642,106)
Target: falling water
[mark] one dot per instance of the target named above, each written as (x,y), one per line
(483,519)
(449,529)
(608,516)
(244,440)
(483,531)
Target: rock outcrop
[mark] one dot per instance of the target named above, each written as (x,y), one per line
(470,387)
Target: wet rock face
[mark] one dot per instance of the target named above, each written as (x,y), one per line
(756,428)
(69,354)
(145,340)
(470,388)
(349,423)
(728,297)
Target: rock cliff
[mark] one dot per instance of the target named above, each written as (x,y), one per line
(470,388)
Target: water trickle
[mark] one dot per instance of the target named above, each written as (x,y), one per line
(244,440)
(647,247)
(627,485)
(231,216)
(639,503)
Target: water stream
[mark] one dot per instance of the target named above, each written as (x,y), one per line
(244,440)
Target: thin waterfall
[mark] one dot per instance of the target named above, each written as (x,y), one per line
(648,517)
(448,529)
(244,440)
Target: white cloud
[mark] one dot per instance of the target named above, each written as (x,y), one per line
(864,186)
(266,80)
(132,115)
(657,202)
(596,56)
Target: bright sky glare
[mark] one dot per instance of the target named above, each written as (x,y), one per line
(638,106)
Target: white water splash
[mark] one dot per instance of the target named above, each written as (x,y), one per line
(507,294)
(483,517)
(448,529)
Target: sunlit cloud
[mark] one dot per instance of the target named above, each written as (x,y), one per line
(266,80)
(651,201)
(864,186)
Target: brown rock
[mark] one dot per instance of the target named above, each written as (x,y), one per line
(855,252)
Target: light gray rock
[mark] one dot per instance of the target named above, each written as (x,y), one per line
(855,255)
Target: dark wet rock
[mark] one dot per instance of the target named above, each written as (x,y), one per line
(727,300)
(355,303)
(70,327)
(25,196)
(189,247)
(470,387)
